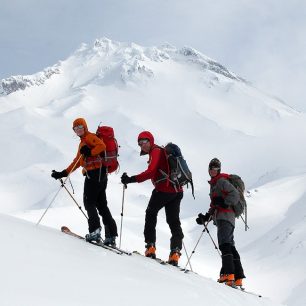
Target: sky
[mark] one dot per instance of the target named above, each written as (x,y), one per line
(262,41)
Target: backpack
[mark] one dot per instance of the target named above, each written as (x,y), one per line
(110,155)
(179,173)
(241,207)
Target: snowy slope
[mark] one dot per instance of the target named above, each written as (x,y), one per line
(46,267)
(182,96)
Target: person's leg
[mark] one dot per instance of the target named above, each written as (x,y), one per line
(91,190)
(239,273)
(102,206)
(154,206)
(225,233)
(172,209)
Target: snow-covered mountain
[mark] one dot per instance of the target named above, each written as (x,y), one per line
(182,96)
(112,57)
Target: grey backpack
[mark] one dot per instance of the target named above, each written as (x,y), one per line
(241,207)
(179,173)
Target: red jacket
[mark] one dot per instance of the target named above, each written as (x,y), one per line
(157,161)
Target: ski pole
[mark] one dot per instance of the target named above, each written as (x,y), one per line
(246,227)
(193,251)
(80,208)
(123,193)
(187,257)
(205,228)
(58,191)
(71,185)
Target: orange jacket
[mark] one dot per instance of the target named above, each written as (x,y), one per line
(96,145)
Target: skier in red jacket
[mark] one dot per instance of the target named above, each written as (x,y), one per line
(163,195)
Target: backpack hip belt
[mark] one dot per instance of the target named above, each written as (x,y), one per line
(93,162)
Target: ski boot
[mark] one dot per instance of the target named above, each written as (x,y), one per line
(94,236)
(110,241)
(150,250)
(238,283)
(222,278)
(230,280)
(174,257)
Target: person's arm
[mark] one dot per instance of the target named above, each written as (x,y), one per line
(76,163)
(152,168)
(95,144)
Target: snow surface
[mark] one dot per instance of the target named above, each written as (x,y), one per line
(182,96)
(47,267)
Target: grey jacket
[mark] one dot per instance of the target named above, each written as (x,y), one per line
(221,187)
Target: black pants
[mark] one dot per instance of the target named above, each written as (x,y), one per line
(171,202)
(95,201)
(231,263)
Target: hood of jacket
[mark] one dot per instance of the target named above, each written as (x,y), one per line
(214,180)
(80,121)
(146,135)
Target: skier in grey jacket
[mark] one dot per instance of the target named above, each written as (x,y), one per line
(224,196)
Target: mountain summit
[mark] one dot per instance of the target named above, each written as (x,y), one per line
(199,81)
(127,61)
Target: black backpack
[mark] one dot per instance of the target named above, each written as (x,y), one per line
(179,173)
(241,207)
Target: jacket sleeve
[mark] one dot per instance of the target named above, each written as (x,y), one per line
(229,193)
(76,163)
(95,144)
(152,168)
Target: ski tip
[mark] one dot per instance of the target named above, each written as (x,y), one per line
(65,229)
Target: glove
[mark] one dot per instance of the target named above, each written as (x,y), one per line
(202,218)
(219,201)
(125,179)
(85,150)
(59,175)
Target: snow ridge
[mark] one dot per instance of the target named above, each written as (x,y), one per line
(19,82)
(128,60)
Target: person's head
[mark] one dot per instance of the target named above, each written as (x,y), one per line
(145,142)
(80,126)
(214,167)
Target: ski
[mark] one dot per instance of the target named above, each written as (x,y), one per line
(116,250)
(242,289)
(156,259)
(162,262)
(249,292)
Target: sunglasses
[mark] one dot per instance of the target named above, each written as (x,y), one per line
(214,168)
(142,141)
(78,127)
